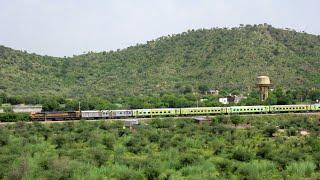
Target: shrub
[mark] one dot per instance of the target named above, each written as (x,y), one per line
(151,171)
(236,120)
(242,154)
(291,131)
(259,170)
(136,144)
(161,123)
(109,141)
(270,130)
(99,156)
(188,159)
(300,169)
(154,137)
(14,117)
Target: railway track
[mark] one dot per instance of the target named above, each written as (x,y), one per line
(173,117)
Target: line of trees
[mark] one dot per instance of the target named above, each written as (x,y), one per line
(164,100)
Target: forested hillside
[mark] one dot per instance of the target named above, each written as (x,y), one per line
(228,59)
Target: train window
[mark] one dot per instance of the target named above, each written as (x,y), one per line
(144,112)
(168,111)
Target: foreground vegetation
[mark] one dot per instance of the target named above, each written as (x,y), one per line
(228,147)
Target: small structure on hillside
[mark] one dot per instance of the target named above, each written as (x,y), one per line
(263,83)
(1,111)
(231,99)
(223,100)
(131,122)
(22,108)
(202,120)
(214,92)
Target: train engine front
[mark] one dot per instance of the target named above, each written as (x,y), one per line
(55,116)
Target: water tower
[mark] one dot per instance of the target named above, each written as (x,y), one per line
(263,84)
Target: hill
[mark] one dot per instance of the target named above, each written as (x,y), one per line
(226,59)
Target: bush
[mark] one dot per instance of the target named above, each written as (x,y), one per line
(109,141)
(270,130)
(291,131)
(300,169)
(236,120)
(14,117)
(242,154)
(161,123)
(188,159)
(259,170)
(136,144)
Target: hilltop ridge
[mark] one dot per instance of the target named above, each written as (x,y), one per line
(227,59)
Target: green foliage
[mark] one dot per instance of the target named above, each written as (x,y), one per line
(220,58)
(14,117)
(203,88)
(236,119)
(259,170)
(242,154)
(270,130)
(161,149)
(300,169)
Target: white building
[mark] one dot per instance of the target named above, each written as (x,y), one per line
(26,108)
(223,100)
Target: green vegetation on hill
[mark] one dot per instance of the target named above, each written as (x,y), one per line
(226,59)
(227,148)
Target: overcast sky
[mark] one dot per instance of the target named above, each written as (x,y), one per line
(68,27)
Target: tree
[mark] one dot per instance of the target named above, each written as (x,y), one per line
(272,99)
(203,88)
(50,104)
(236,120)
(315,95)
(187,89)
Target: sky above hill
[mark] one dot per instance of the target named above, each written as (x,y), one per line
(72,27)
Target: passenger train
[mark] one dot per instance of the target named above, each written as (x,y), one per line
(163,112)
